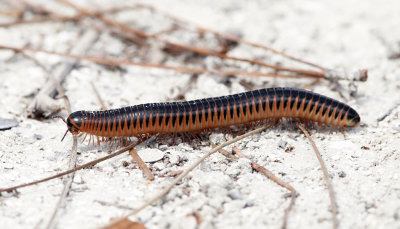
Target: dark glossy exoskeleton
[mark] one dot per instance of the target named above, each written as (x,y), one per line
(209,113)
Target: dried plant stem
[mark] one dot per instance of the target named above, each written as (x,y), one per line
(67,186)
(208,52)
(326,177)
(277,180)
(58,18)
(132,152)
(96,92)
(198,50)
(225,153)
(116,153)
(183,174)
(112,62)
(141,164)
(186,23)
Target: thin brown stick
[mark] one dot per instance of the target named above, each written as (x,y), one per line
(132,151)
(103,107)
(226,36)
(110,62)
(116,153)
(140,37)
(67,185)
(225,153)
(141,164)
(198,50)
(113,62)
(58,18)
(182,175)
(11,13)
(40,20)
(276,179)
(127,224)
(326,177)
(106,20)
(208,52)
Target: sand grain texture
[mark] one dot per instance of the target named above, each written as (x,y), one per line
(364,165)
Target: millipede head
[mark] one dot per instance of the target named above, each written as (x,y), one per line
(74,122)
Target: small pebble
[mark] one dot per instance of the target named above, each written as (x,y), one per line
(151,155)
(37,136)
(397,128)
(235,195)
(6,124)
(342,174)
(282,144)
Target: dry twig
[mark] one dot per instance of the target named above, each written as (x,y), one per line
(103,107)
(112,62)
(326,177)
(225,153)
(67,186)
(276,179)
(182,175)
(72,163)
(116,153)
(141,164)
(198,50)
(186,23)
(141,38)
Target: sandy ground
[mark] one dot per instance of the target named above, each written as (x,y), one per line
(364,165)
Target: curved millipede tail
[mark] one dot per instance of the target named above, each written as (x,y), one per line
(211,113)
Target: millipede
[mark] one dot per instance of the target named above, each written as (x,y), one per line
(211,113)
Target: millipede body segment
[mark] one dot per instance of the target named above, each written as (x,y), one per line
(218,112)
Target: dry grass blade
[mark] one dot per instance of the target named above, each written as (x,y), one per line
(225,153)
(72,164)
(208,52)
(276,179)
(67,186)
(326,177)
(186,23)
(182,175)
(96,92)
(141,38)
(112,62)
(132,152)
(198,50)
(116,153)
(141,164)
(328,74)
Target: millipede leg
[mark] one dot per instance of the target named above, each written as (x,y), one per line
(90,138)
(84,138)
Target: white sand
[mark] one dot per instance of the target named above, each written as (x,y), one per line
(340,34)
